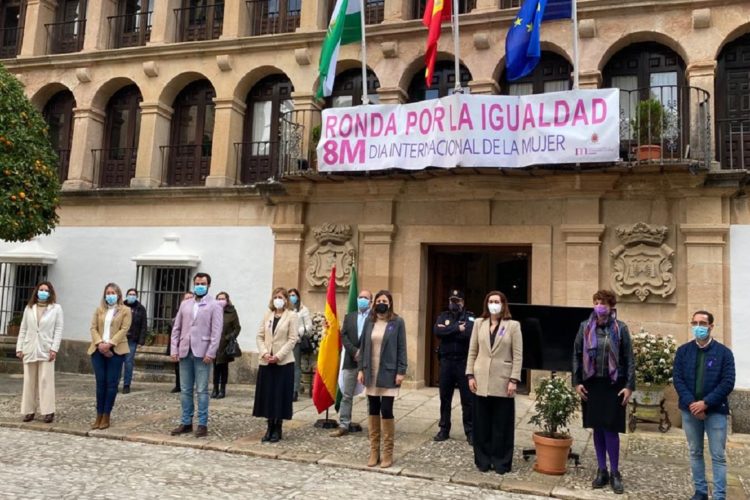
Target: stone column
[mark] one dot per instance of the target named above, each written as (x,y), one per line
(97,35)
(164,22)
(88,134)
(702,130)
(236,19)
(397,10)
(228,125)
(156,119)
(486,87)
(590,79)
(38,13)
(287,253)
(392,95)
(312,14)
(375,244)
(582,242)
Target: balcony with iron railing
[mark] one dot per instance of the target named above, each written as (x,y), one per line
(270,17)
(733,143)
(185,164)
(65,37)
(199,22)
(10,42)
(114,167)
(129,30)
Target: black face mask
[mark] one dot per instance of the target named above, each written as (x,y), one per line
(381,308)
(454,308)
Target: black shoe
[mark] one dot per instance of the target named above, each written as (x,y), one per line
(275,433)
(615,479)
(483,468)
(222,392)
(699,496)
(442,435)
(215,392)
(126,389)
(175,390)
(267,436)
(601,480)
(202,431)
(295,397)
(470,440)
(181,429)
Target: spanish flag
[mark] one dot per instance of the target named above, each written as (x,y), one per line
(436,12)
(326,378)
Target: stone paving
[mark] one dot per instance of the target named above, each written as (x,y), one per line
(654,465)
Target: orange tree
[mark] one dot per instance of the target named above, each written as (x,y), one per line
(29,186)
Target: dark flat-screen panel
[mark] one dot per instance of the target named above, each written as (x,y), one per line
(548,334)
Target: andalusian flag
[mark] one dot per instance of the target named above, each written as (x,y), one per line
(436,12)
(345,27)
(351,306)
(325,383)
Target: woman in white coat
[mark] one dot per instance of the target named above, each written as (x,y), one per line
(37,346)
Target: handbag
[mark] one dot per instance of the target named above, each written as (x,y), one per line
(233,348)
(305,344)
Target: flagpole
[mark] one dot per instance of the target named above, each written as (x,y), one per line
(456,49)
(365,98)
(574,17)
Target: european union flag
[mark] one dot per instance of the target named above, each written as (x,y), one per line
(522,49)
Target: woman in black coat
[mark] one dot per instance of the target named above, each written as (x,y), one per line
(230,330)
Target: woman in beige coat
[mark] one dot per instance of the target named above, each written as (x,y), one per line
(494,369)
(274,388)
(38,342)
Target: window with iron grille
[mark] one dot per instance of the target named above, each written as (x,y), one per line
(160,290)
(17,282)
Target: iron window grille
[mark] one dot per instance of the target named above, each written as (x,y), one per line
(160,290)
(17,283)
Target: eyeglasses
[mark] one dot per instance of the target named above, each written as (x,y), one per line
(699,323)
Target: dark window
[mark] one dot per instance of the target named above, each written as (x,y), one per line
(733,104)
(443,82)
(269,17)
(117,160)
(267,120)
(347,89)
(17,282)
(464,6)
(66,35)
(58,113)
(374,10)
(510,4)
(132,26)
(552,74)
(161,291)
(199,20)
(189,154)
(12,14)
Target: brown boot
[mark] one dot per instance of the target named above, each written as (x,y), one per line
(373,423)
(97,422)
(105,421)
(389,429)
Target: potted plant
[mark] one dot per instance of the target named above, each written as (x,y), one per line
(150,338)
(654,360)
(555,406)
(14,325)
(647,126)
(162,338)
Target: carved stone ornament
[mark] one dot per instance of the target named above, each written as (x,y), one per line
(642,263)
(333,247)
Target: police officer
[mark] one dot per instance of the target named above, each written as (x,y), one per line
(453,328)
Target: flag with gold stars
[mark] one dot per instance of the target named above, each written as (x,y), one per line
(522,44)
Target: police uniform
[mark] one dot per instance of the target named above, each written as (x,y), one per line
(453,351)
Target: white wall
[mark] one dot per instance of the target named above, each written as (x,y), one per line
(739,238)
(239,260)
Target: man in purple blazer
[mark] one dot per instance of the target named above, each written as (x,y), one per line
(195,338)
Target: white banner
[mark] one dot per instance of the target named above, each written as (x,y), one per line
(578,126)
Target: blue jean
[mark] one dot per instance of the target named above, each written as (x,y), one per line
(194,373)
(129,362)
(107,372)
(715,427)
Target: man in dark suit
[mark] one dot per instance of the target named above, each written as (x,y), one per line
(351,333)
(453,327)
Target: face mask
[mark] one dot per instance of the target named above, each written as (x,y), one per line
(700,332)
(130,299)
(200,290)
(454,308)
(42,295)
(363,304)
(111,299)
(495,308)
(601,310)
(381,308)
(278,303)
(293,299)
(222,302)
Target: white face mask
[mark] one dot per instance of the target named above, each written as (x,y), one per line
(279,303)
(494,308)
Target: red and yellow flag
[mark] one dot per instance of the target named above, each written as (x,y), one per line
(326,378)
(436,12)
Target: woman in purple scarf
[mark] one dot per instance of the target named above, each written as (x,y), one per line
(604,378)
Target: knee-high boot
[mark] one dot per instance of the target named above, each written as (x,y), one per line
(373,423)
(389,429)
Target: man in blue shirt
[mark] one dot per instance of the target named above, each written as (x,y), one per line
(703,378)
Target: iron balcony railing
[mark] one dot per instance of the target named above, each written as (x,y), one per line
(733,143)
(129,30)
(666,124)
(10,42)
(63,162)
(114,167)
(374,11)
(510,4)
(185,164)
(270,17)
(65,37)
(200,22)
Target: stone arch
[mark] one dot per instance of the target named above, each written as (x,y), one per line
(247,82)
(108,89)
(733,35)
(341,67)
(545,45)
(45,93)
(410,70)
(179,82)
(643,36)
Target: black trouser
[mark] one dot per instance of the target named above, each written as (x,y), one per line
(380,405)
(221,372)
(494,428)
(452,374)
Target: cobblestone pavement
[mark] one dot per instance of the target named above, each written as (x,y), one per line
(654,465)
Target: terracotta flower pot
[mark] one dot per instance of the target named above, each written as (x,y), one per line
(551,454)
(648,153)
(13,330)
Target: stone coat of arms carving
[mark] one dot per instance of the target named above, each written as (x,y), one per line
(642,264)
(333,247)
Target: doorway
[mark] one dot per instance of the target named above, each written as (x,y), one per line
(476,270)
